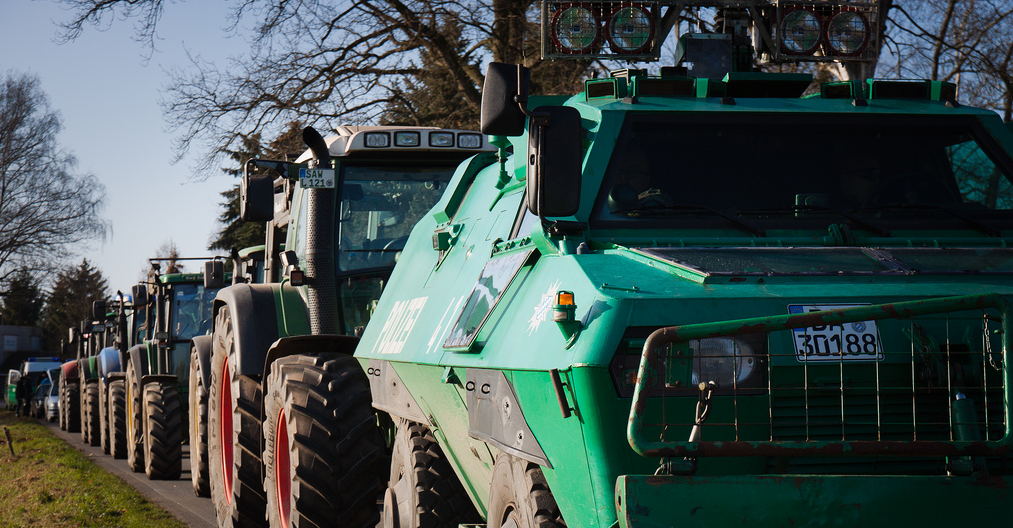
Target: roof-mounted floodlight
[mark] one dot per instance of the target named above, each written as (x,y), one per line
(782,30)
(601,29)
(575,29)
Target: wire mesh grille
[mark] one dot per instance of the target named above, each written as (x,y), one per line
(937,384)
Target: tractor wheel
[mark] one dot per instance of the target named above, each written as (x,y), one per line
(163,431)
(520,497)
(234,435)
(118,419)
(423,490)
(83,410)
(72,409)
(198,400)
(135,423)
(91,413)
(103,415)
(61,408)
(324,456)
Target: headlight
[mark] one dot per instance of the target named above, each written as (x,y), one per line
(441,139)
(630,29)
(800,31)
(469,141)
(848,32)
(575,29)
(725,360)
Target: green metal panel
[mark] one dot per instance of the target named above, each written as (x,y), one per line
(809,501)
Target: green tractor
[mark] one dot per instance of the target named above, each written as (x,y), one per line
(349,205)
(697,298)
(157,369)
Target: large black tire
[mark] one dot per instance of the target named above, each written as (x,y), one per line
(72,413)
(163,431)
(135,423)
(91,406)
(103,415)
(62,406)
(198,401)
(234,435)
(324,455)
(423,490)
(520,494)
(83,410)
(118,418)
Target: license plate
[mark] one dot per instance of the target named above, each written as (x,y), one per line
(316,178)
(858,341)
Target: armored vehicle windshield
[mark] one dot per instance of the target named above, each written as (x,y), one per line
(790,172)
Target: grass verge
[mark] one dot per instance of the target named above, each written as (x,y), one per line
(50,484)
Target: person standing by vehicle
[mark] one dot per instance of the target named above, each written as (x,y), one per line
(23,393)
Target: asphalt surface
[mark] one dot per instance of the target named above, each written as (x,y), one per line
(176,496)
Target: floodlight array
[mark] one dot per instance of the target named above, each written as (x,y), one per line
(620,29)
(825,30)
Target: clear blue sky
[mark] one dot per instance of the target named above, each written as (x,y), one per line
(108,97)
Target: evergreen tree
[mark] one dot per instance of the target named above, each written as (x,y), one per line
(70,300)
(22,303)
(235,233)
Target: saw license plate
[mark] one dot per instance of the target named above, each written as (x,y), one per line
(858,341)
(316,178)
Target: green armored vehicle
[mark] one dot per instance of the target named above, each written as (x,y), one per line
(704,300)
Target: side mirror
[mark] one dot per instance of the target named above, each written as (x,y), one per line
(554,162)
(98,310)
(256,195)
(140,295)
(214,275)
(504,91)
(290,267)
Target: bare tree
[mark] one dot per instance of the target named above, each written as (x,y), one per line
(45,207)
(327,63)
(968,42)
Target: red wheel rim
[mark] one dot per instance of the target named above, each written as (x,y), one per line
(282,474)
(225,438)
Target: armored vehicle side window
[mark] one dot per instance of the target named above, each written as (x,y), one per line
(495,278)
(679,170)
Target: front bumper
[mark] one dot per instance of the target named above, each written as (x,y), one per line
(812,500)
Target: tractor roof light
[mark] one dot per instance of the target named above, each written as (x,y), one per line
(407,139)
(575,29)
(801,31)
(848,32)
(377,139)
(630,29)
(441,139)
(469,141)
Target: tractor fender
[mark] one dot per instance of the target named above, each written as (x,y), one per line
(88,368)
(200,351)
(69,370)
(108,361)
(308,344)
(150,378)
(254,322)
(138,361)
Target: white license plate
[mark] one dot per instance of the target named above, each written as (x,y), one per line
(316,178)
(835,342)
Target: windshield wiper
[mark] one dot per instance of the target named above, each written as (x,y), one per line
(987,229)
(879,230)
(691,209)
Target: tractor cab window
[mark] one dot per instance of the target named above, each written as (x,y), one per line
(191,311)
(747,173)
(380,204)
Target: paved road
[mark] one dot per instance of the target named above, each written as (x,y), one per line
(176,496)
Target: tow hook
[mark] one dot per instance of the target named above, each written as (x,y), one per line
(688,465)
